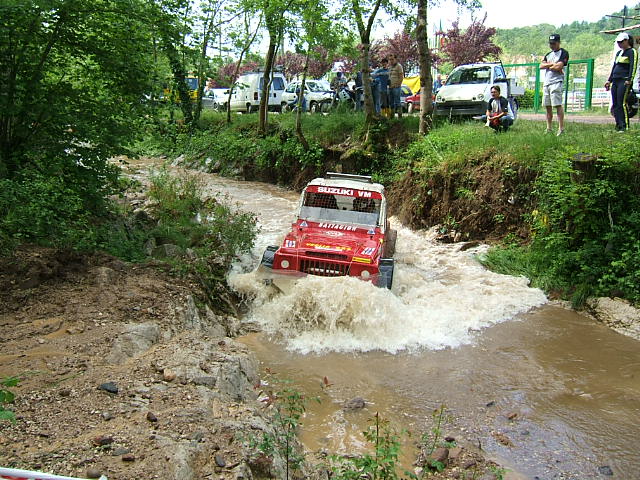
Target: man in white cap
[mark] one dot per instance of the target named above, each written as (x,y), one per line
(620,78)
(553,64)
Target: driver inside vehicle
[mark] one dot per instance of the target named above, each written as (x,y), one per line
(367,205)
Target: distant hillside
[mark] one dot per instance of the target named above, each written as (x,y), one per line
(581,39)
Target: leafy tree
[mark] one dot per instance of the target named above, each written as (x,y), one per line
(72,91)
(402,44)
(475,44)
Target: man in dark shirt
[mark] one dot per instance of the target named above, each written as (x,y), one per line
(621,78)
(498,116)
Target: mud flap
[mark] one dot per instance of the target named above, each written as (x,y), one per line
(385,275)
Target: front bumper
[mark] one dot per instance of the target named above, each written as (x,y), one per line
(461,108)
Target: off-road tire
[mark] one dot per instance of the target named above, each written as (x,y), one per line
(390,245)
(268,256)
(385,273)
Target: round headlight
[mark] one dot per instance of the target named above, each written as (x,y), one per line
(365,274)
(481,96)
(284,263)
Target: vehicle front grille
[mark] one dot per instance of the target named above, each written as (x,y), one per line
(333,256)
(324,269)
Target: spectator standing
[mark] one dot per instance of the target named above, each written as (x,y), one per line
(396,76)
(437,83)
(498,115)
(381,75)
(620,78)
(553,64)
(358,90)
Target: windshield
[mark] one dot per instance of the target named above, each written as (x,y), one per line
(320,207)
(469,75)
(319,86)
(192,83)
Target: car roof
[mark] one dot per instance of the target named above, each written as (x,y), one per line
(348,183)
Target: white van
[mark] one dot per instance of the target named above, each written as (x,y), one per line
(248,89)
(468,90)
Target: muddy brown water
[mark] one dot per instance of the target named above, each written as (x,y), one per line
(449,333)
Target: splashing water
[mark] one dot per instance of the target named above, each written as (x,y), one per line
(440,297)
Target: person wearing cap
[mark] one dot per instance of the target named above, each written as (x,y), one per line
(620,78)
(553,64)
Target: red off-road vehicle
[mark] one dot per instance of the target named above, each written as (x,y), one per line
(341,229)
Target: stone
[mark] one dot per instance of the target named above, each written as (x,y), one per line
(104,276)
(128,457)
(512,415)
(168,375)
(167,250)
(454,453)
(150,246)
(120,451)
(64,392)
(616,313)
(502,439)
(135,340)
(102,440)
(151,417)
(355,403)
(469,464)
(109,387)
(491,403)
(206,381)
(440,454)
(93,472)
(107,416)
(220,461)
(191,315)
(449,439)
(605,470)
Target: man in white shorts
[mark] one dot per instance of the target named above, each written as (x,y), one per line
(553,65)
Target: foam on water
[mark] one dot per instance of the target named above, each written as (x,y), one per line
(440,297)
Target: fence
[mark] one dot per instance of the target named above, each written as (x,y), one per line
(578,84)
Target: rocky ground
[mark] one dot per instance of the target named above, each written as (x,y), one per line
(122,373)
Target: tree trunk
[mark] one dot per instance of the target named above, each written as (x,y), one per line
(426,80)
(369,108)
(266,83)
(299,132)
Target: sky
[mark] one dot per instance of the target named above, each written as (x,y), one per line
(520,13)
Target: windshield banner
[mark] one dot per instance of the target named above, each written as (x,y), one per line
(346,192)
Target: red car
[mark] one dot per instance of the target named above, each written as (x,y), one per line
(413,103)
(341,229)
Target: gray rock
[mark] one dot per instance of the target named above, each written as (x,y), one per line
(109,387)
(439,455)
(191,315)
(151,417)
(605,470)
(616,313)
(150,246)
(136,339)
(206,381)
(93,472)
(167,250)
(354,404)
(178,160)
(220,461)
(104,276)
(120,451)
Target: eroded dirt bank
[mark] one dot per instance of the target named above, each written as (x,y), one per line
(123,374)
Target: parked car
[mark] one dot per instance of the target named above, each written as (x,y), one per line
(404,94)
(413,103)
(341,229)
(468,90)
(248,89)
(216,99)
(316,91)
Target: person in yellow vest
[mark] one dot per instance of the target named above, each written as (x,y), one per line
(620,79)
